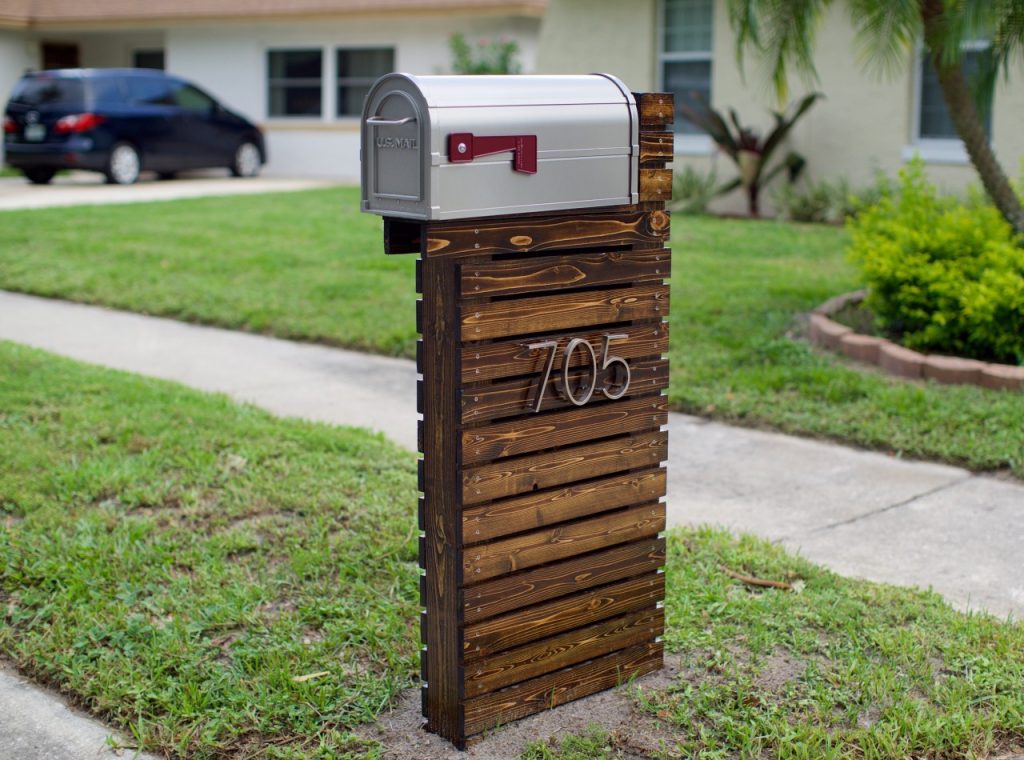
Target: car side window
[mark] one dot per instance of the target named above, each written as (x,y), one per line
(108,92)
(150,91)
(193,99)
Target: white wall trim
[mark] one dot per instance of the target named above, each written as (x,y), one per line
(932,151)
(693,145)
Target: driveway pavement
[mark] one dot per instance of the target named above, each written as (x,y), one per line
(86,188)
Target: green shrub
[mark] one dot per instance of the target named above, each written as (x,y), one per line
(487,57)
(693,190)
(942,276)
(826,201)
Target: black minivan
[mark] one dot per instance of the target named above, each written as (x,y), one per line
(121,122)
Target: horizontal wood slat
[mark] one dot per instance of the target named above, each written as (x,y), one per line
(542,508)
(510,477)
(501,319)
(656,185)
(656,109)
(513,397)
(550,429)
(560,687)
(656,147)
(561,651)
(541,584)
(573,611)
(526,234)
(485,561)
(494,361)
(544,273)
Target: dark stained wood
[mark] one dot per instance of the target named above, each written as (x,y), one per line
(656,148)
(490,402)
(656,185)
(569,612)
(541,508)
(401,236)
(545,233)
(549,429)
(545,273)
(541,557)
(485,561)
(509,477)
(493,361)
(560,687)
(501,319)
(561,651)
(442,505)
(656,109)
(570,576)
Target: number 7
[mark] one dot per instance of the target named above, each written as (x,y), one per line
(553,345)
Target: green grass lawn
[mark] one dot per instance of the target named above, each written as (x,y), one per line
(221,583)
(309,266)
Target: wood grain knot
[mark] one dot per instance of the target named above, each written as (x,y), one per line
(520,240)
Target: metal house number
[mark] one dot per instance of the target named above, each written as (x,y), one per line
(585,391)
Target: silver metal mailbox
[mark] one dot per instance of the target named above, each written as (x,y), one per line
(454,147)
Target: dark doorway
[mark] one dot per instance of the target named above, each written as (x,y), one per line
(60,55)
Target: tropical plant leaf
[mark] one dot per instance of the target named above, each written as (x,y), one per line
(783,127)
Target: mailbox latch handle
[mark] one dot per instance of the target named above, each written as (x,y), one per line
(390,122)
(463,147)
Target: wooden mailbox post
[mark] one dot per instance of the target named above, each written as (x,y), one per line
(543,363)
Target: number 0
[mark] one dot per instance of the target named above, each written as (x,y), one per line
(567,360)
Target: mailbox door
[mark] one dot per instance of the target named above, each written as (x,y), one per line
(392,152)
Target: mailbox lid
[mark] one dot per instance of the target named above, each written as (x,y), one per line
(585,127)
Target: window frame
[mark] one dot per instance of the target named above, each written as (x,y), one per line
(935,150)
(685,144)
(325,101)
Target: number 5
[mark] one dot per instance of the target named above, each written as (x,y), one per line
(609,360)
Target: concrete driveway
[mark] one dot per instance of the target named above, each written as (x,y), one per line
(85,188)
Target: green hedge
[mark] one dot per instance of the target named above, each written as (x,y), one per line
(943,276)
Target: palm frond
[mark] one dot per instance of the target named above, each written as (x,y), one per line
(887,31)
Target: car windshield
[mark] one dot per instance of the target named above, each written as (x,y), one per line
(49,92)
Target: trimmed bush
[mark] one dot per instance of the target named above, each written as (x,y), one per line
(942,276)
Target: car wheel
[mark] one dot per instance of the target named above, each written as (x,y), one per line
(39,175)
(247,161)
(124,165)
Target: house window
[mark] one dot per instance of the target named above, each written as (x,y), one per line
(295,82)
(357,70)
(934,122)
(685,56)
(148,59)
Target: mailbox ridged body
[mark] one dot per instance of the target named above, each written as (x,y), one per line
(585,131)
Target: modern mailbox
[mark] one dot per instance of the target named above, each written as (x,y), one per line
(542,355)
(448,147)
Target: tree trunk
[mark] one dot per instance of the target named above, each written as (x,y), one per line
(967,120)
(753,207)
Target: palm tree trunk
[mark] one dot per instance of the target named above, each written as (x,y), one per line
(967,120)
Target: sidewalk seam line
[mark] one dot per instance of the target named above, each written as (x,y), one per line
(883,510)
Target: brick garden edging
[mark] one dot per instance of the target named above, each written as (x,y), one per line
(903,362)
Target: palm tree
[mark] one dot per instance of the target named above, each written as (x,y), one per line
(783,31)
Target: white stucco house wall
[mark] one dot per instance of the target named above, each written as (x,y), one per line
(299,69)
(867,122)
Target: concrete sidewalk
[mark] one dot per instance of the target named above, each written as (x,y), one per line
(85,188)
(860,513)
